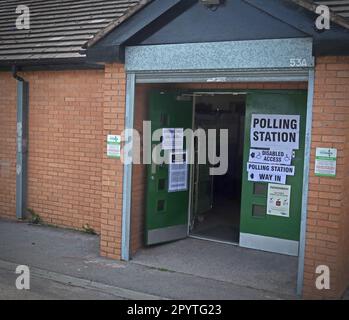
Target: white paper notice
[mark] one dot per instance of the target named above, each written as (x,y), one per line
(275,131)
(271,169)
(172,138)
(326,162)
(178,172)
(283,157)
(279,200)
(114,146)
(266,177)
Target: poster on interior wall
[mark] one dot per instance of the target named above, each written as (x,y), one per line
(275,131)
(326,162)
(272,156)
(172,138)
(178,172)
(279,200)
(114,146)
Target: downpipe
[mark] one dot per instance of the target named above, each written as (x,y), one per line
(22,144)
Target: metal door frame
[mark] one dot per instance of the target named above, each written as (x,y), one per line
(195,94)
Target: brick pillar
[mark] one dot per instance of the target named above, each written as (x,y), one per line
(328,225)
(112,169)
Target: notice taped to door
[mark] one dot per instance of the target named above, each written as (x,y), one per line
(178,172)
(270,168)
(258,172)
(172,138)
(266,177)
(275,131)
(279,200)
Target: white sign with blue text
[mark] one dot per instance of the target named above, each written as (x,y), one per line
(273,156)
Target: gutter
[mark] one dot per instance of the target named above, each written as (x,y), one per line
(22,144)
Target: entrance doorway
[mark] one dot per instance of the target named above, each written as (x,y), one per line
(256,202)
(216,200)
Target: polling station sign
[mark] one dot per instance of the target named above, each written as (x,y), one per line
(275,131)
(269,173)
(282,157)
(267,168)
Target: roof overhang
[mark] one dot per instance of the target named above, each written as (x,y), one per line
(158,13)
(110,46)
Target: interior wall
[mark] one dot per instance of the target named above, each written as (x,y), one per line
(232,118)
(139,171)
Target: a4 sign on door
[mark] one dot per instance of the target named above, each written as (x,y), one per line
(273,139)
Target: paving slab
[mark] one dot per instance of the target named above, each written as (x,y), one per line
(250,268)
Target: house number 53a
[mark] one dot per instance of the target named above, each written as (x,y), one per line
(298,62)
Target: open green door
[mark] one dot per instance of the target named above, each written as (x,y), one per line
(279,231)
(167,192)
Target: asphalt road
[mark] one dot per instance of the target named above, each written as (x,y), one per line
(46,289)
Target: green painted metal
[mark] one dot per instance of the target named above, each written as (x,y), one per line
(288,102)
(166,209)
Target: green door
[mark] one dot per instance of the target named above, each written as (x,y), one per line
(260,230)
(167,206)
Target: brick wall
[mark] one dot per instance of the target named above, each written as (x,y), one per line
(327,241)
(71,182)
(139,174)
(65,146)
(7,146)
(112,173)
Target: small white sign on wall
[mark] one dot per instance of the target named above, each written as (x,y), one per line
(114,146)
(326,162)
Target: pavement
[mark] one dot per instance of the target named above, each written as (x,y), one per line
(43,288)
(64,264)
(224,262)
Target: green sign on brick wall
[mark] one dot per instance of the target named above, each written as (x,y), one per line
(326,162)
